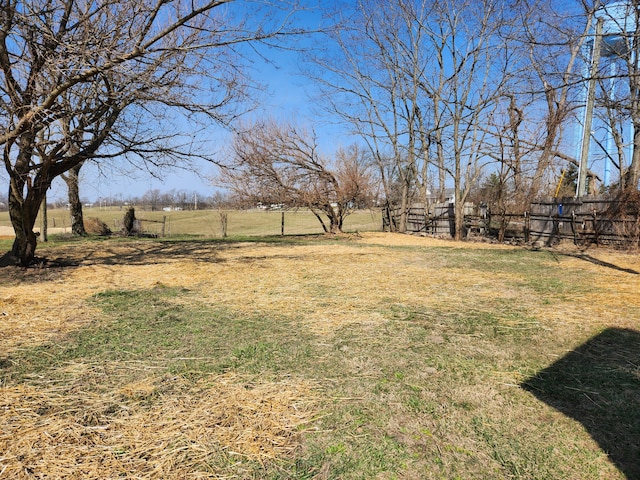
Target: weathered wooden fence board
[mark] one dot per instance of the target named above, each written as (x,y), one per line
(590,219)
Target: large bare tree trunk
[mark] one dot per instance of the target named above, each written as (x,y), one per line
(336,225)
(404,207)
(23,213)
(23,216)
(23,209)
(75,205)
(459,221)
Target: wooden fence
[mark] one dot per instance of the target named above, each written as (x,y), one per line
(589,220)
(438,219)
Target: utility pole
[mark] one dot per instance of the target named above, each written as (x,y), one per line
(588,114)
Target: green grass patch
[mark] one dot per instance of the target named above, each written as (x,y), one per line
(156,326)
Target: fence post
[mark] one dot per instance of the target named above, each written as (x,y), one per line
(164,220)
(282,224)
(44,219)
(224,218)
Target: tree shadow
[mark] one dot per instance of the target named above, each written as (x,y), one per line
(60,261)
(602,263)
(75,254)
(598,384)
(150,252)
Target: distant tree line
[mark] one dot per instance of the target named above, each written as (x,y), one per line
(155,200)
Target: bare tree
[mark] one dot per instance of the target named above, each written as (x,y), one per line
(152,199)
(369,77)
(633,175)
(418,80)
(558,43)
(554,41)
(72,179)
(84,80)
(614,115)
(476,79)
(275,163)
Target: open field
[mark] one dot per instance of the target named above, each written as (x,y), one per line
(355,357)
(207,223)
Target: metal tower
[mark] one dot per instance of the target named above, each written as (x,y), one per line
(613,22)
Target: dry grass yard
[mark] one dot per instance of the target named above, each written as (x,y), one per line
(364,356)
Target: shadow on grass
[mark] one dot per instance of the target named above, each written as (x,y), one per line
(135,251)
(598,384)
(602,263)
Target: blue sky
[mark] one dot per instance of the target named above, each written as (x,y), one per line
(286,97)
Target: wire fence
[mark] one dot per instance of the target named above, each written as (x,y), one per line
(205,223)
